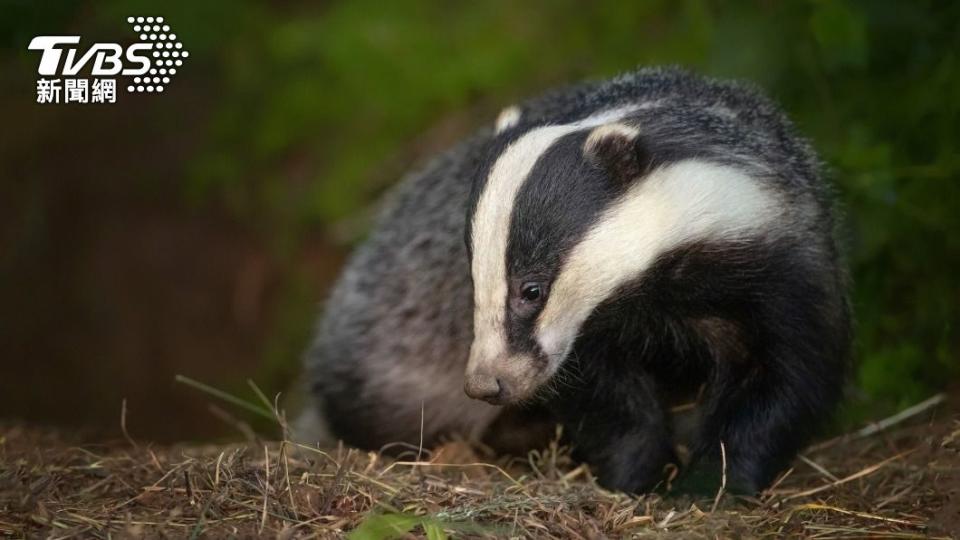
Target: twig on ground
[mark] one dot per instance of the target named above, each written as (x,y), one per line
(266,487)
(420,446)
(909,412)
(123,424)
(877,427)
(819,506)
(860,474)
(819,468)
(723,478)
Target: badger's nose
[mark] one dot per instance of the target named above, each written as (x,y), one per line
(486,387)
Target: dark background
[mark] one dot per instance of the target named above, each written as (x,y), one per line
(196,231)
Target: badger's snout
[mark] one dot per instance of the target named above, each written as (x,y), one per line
(505,381)
(484,386)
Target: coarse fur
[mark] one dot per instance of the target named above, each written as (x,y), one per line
(606,251)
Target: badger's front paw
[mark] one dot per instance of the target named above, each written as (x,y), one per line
(634,463)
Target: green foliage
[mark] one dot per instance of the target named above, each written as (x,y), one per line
(397,525)
(389,525)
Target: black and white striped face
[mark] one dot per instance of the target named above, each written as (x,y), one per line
(563,218)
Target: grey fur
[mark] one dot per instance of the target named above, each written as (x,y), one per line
(396,330)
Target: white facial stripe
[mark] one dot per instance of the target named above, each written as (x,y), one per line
(491,229)
(678,203)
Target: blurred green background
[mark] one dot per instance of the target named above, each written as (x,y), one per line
(196,231)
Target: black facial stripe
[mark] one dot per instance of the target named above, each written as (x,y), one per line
(558,202)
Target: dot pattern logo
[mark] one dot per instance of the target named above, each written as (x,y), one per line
(166,57)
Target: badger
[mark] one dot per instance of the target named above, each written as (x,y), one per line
(601,254)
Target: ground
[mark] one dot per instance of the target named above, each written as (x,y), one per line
(895,479)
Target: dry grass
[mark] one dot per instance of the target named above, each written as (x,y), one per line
(899,482)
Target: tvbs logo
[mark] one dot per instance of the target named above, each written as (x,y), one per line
(148,65)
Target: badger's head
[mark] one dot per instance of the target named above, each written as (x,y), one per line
(565,217)
(531,210)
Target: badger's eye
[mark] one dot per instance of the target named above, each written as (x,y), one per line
(531,292)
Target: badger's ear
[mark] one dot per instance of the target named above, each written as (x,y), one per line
(508,118)
(619,149)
